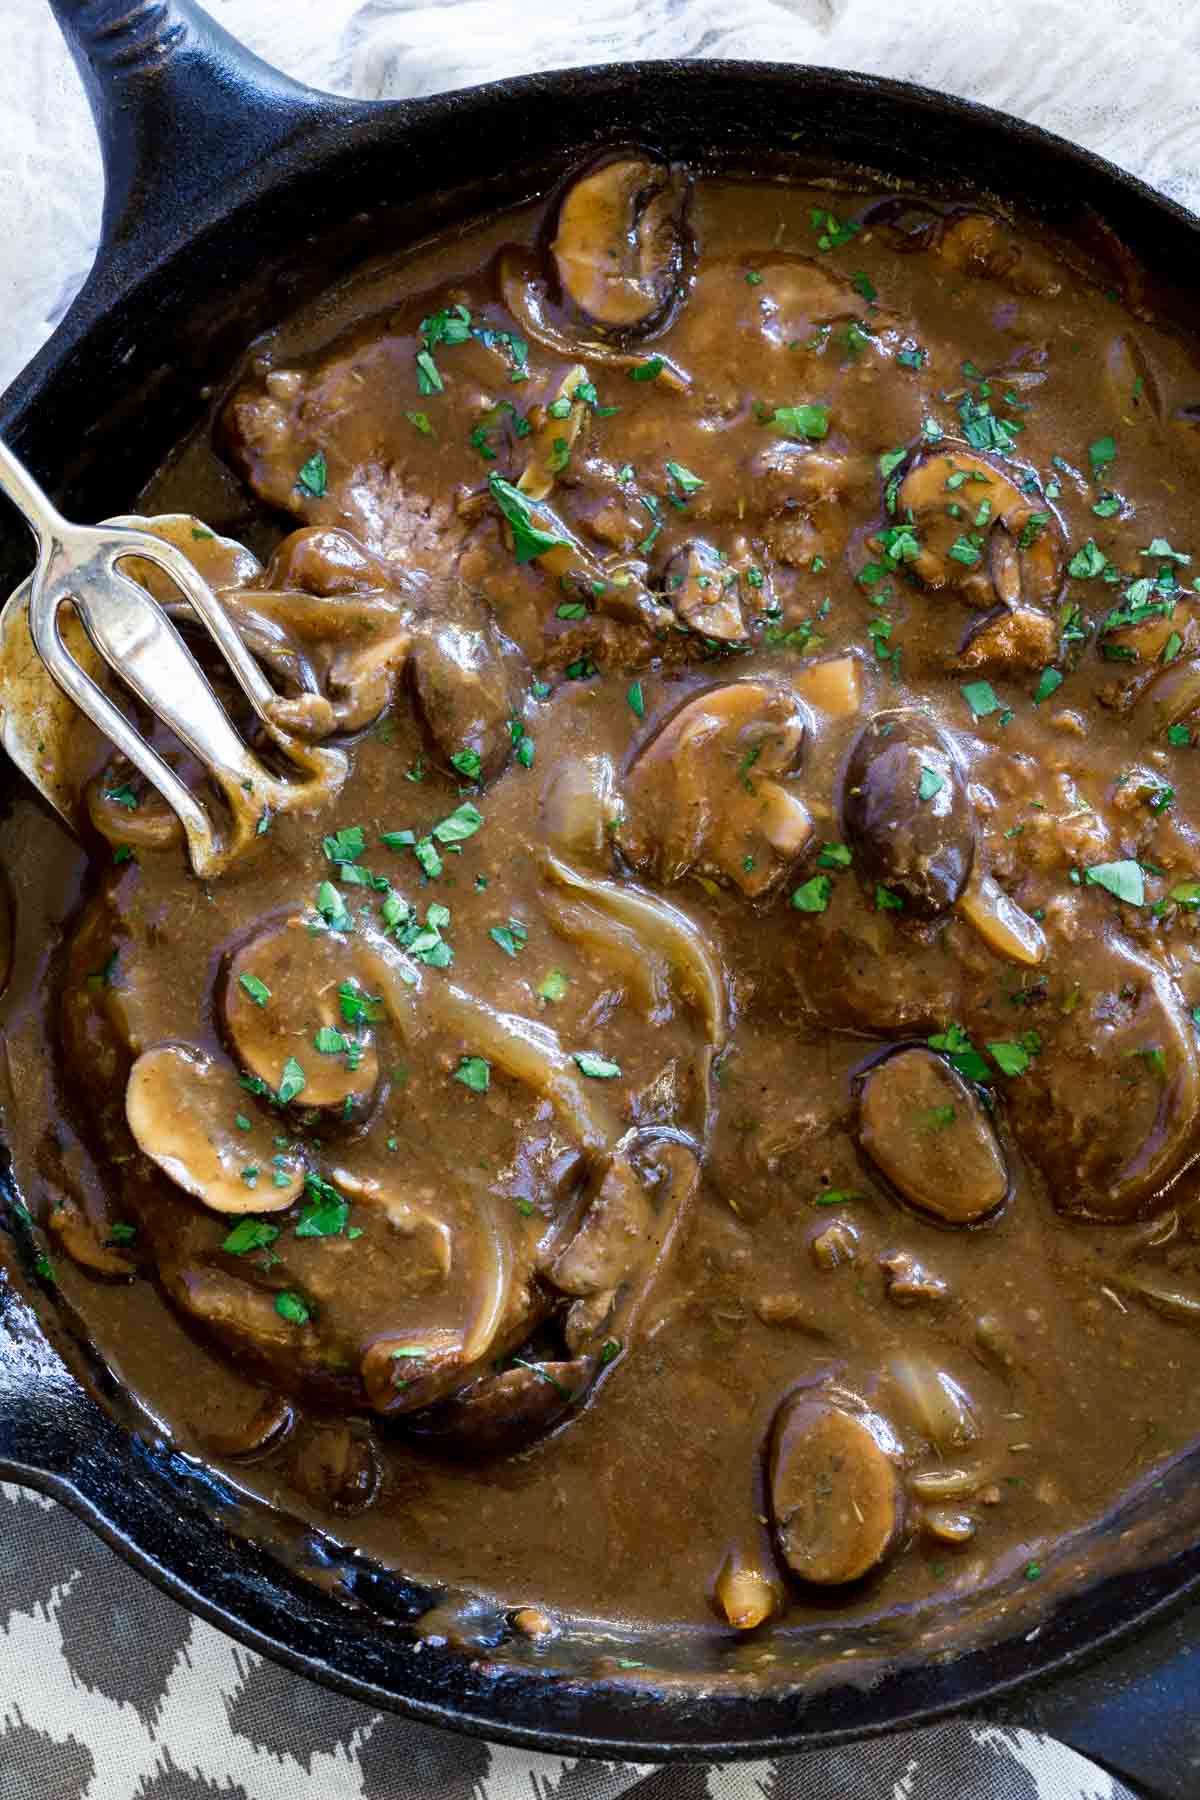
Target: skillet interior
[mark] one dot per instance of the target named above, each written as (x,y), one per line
(110,397)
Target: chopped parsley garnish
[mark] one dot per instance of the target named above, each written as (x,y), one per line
(688,483)
(426,853)
(1107,506)
(333,908)
(636,699)
(511,938)
(529,540)
(122,796)
(981,698)
(650,370)
(890,461)
(813,896)
(250,1234)
(292,1308)
(1088,562)
(598,1067)
(931,783)
(474,1072)
(324,1212)
(292,1082)
(554,986)
(462,824)
(886,901)
(831,231)
(314,475)
(960,1053)
(359,1008)
(330,1042)
(1178,734)
(835,856)
(422,422)
(345,846)
(1049,683)
(862,284)
(120,1233)
(1011,1058)
(1123,879)
(258,990)
(803,421)
(468,763)
(1101,453)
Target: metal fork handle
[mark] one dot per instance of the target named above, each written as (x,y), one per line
(40,512)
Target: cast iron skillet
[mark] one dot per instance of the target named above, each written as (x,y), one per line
(232,194)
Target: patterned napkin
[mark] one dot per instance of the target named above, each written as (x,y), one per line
(109,1691)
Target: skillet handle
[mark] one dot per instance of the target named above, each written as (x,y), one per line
(182,111)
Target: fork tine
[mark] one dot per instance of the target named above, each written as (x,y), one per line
(77,684)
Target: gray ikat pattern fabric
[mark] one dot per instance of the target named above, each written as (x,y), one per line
(109,1691)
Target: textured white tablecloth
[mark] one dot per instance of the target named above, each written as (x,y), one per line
(107,1690)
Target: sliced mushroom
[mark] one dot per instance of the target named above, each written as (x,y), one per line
(502,1412)
(980,244)
(706,794)
(985,537)
(183,1109)
(280,1004)
(632,1211)
(836,1498)
(127,810)
(618,244)
(1172,697)
(83,1238)
(703,591)
(906,812)
(269,1426)
(555,432)
(1107,1111)
(464,694)
(906,1280)
(924,1128)
(337,1466)
(523,290)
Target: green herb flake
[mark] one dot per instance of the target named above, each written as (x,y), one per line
(462,824)
(426,853)
(805,421)
(1087,563)
(688,483)
(292,1081)
(1122,879)
(636,699)
(258,990)
(813,896)
(1011,1058)
(529,540)
(961,1054)
(249,1234)
(324,1212)
(314,476)
(511,938)
(1101,453)
(981,698)
(650,370)
(598,1067)
(886,901)
(468,763)
(553,987)
(931,783)
(474,1072)
(292,1308)
(835,856)
(422,422)
(1049,683)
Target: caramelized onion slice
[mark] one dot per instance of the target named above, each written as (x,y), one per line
(1004,927)
(663,929)
(615,946)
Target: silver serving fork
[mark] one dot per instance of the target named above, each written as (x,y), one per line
(80,565)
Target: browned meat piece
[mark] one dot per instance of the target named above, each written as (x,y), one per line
(306,444)
(907,1280)
(906,812)
(707,793)
(504,1411)
(836,1498)
(925,1130)
(1018,637)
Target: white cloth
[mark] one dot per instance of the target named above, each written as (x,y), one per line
(1116,75)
